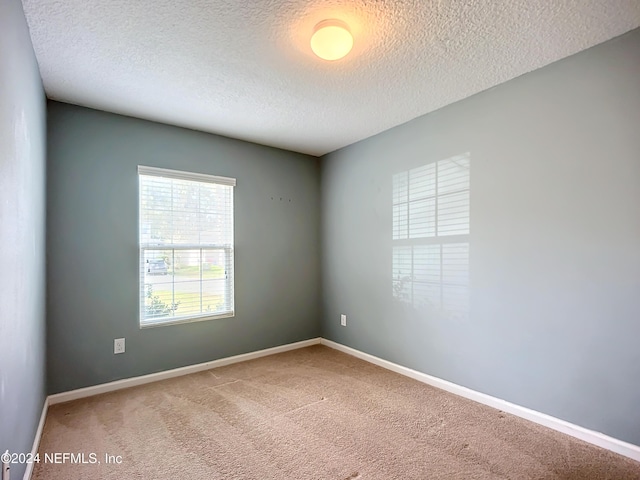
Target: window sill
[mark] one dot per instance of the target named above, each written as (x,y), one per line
(177,321)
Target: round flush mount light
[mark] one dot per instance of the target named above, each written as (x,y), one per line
(331,39)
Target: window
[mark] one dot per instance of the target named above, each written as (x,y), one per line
(432,200)
(431,207)
(186,246)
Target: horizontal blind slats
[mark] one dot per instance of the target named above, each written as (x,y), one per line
(430,229)
(432,200)
(186,246)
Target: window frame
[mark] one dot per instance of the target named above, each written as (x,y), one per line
(438,238)
(229,250)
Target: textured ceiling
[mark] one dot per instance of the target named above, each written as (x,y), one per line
(244,69)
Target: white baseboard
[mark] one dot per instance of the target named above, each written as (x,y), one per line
(36,440)
(176,372)
(596,438)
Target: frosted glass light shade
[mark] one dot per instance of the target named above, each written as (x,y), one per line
(331,40)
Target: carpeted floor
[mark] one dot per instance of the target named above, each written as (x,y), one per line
(312,413)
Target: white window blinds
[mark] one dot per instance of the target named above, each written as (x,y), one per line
(431,226)
(186,246)
(432,200)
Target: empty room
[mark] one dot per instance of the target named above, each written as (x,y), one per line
(319,239)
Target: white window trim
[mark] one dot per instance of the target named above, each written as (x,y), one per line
(182,175)
(199,177)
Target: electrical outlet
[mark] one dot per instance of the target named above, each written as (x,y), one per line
(118,345)
(343,320)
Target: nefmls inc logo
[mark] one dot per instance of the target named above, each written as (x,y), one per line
(68,457)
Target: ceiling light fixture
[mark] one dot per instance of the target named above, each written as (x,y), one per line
(331,39)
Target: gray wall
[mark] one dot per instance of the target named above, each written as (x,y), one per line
(93,247)
(22,243)
(554,266)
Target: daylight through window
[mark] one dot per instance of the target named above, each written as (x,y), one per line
(431,212)
(186,246)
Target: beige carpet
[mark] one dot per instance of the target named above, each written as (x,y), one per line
(312,413)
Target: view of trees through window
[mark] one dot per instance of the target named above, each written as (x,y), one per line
(186,244)
(431,213)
